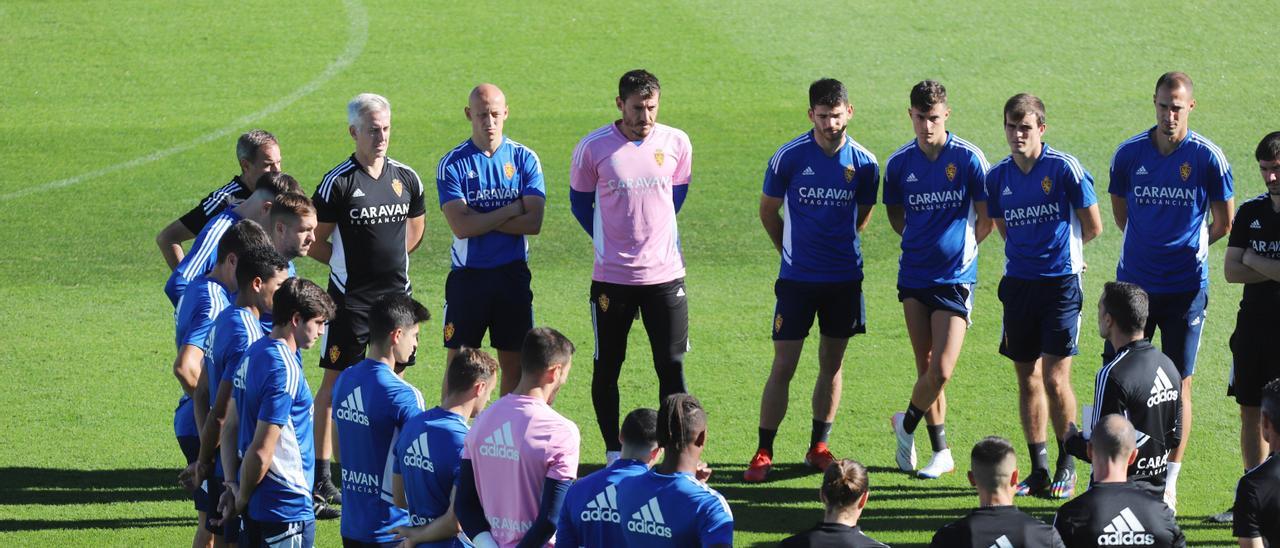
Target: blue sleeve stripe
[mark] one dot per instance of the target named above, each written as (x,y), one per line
(982,159)
(902,149)
(536,160)
(1223,166)
(208,245)
(326,185)
(858,146)
(445,161)
(1072,163)
(777,156)
(1132,140)
(581,149)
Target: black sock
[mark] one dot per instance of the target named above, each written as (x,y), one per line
(937,436)
(820,432)
(766,439)
(912,418)
(1065,460)
(1039,456)
(322,472)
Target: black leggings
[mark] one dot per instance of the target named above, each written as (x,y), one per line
(665,311)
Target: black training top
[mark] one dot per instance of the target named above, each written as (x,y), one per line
(1257,227)
(213,204)
(1118,514)
(1258,503)
(832,535)
(997,527)
(370,258)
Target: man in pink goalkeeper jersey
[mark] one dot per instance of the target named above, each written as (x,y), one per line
(627,181)
(520,456)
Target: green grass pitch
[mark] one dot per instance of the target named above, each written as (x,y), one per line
(119,115)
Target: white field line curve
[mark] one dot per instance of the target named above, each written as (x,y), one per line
(357,36)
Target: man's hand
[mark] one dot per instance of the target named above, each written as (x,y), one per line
(228,506)
(187,477)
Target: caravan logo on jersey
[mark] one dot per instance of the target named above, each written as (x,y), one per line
(1161,195)
(1162,390)
(603,508)
(931,201)
(419,454)
(649,521)
(500,444)
(380,214)
(1125,530)
(352,409)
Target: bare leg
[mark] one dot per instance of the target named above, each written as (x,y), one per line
(1061,398)
(1176,454)
(323,422)
(509,362)
(773,404)
(1032,407)
(826,390)
(1253,447)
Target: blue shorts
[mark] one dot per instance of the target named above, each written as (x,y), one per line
(839,306)
(497,299)
(1180,318)
(190,446)
(268,534)
(956,298)
(230,531)
(1041,317)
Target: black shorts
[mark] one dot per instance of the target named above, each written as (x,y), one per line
(498,300)
(956,298)
(190,446)
(841,310)
(346,337)
(1040,317)
(1254,361)
(230,530)
(295,534)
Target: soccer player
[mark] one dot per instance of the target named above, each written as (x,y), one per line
(1045,208)
(1165,182)
(374,405)
(205,298)
(259,271)
(372,208)
(258,153)
(590,514)
(204,251)
(492,195)
(275,438)
(1114,511)
(1253,259)
(520,455)
(997,522)
(293,226)
(628,180)
(827,183)
(428,452)
(844,495)
(936,200)
(1140,383)
(1258,493)
(671,504)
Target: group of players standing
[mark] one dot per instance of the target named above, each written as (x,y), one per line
(247,419)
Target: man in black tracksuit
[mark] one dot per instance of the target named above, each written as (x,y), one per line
(997,523)
(1139,383)
(1258,493)
(1115,511)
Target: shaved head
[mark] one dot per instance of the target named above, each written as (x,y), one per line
(485,93)
(1114,438)
(487,111)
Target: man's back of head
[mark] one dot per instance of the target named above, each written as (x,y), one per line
(1113,443)
(994,466)
(640,435)
(544,347)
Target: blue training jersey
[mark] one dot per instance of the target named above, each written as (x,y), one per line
(198,307)
(1043,234)
(938,199)
(370,407)
(486,183)
(820,199)
(276,392)
(428,456)
(672,510)
(202,256)
(1166,240)
(233,332)
(590,516)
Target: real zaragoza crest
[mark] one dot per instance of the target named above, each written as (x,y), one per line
(334,354)
(658,157)
(777,323)
(604,302)
(1046,185)
(448,331)
(509,170)
(848,173)
(397,186)
(1185,171)
(951,172)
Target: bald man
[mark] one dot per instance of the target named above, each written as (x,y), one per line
(492,196)
(1115,511)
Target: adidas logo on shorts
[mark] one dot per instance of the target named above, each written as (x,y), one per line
(500,445)
(1002,542)
(604,508)
(807,171)
(1142,170)
(1162,390)
(649,521)
(419,455)
(352,409)
(1125,530)
(911,178)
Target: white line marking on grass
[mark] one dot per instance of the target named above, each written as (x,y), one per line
(357,35)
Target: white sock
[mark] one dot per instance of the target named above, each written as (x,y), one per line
(1171,478)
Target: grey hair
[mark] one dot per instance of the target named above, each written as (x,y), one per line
(365,103)
(247,145)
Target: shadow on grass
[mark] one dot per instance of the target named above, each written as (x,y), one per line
(51,486)
(80,524)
